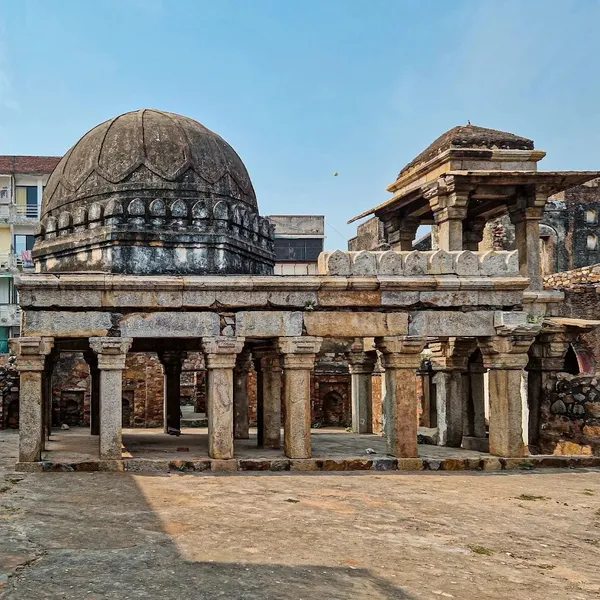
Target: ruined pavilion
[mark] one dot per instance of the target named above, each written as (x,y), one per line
(151,239)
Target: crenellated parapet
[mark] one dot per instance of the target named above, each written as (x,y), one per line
(151,235)
(181,215)
(437,262)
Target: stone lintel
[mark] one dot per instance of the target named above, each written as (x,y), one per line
(355,324)
(268,324)
(31,352)
(170,324)
(111,351)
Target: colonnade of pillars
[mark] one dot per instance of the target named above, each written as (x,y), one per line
(291,361)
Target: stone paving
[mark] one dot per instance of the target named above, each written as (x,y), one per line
(310,536)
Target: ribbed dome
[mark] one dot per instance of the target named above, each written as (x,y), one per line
(147,150)
(152,193)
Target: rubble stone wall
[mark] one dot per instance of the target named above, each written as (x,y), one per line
(570,415)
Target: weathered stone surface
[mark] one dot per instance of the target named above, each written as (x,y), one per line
(178,167)
(410,464)
(385,464)
(466,263)
(66,323)
(329,298)
(451,323)
(170,324)
(268,324)
(350,324)
(304,465)
(223,466)
(399,298)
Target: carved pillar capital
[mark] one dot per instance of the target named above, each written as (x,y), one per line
(299,352)
(402,351)
(505,352)
(111,351)
(31,352)
(221,351)
(452,354)
(361,362)
(172,360)
(243,362)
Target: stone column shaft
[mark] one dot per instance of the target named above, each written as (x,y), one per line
(241,423)
(526,217)
(221,354)
(401,359)
(269,399)
(506,357)
(172,363)
(31,358)
(111,353)
(92,361)
(361,365)
(449,407)
(478,399)
(299,355)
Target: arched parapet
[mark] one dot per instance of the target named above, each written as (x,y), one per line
(65,223)
(113,212)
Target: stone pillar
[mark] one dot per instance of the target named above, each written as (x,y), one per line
(172,362)
(268,373)
(473,234)
(92,361)
(401,359)
(221,353)
(449,407)
(31,355)
(449,361)
(526,216)
(241,424)
(506,357)
(400,232)
(111,353)
(477,423)
(299,355)
(361,365)
(449,207)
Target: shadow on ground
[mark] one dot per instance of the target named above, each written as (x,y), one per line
(96,536)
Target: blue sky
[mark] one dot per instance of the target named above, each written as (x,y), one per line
(304,88)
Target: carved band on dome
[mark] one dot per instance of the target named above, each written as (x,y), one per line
(228,217)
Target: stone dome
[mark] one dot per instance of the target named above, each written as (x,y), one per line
(151,192)
(147,150)
(471,136)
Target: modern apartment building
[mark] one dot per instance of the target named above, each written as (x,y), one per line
(298,242)
(22,181)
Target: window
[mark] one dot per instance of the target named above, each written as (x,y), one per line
(591,217)
(27,200)
(592,242)
(303,249)
(23,245)
(7,291)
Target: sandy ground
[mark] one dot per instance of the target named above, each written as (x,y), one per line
(299,536)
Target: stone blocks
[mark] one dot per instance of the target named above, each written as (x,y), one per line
(436,262)
(268,324)
(352,324)
(170,324)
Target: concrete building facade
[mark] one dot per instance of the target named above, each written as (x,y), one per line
(22,182)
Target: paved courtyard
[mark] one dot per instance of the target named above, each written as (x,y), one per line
(306,536)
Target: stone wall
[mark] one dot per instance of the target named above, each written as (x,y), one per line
(570,415)
(143,385)
(368,236)
(581,276)
(71,390)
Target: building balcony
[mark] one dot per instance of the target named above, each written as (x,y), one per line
(16,262)
(19,213)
